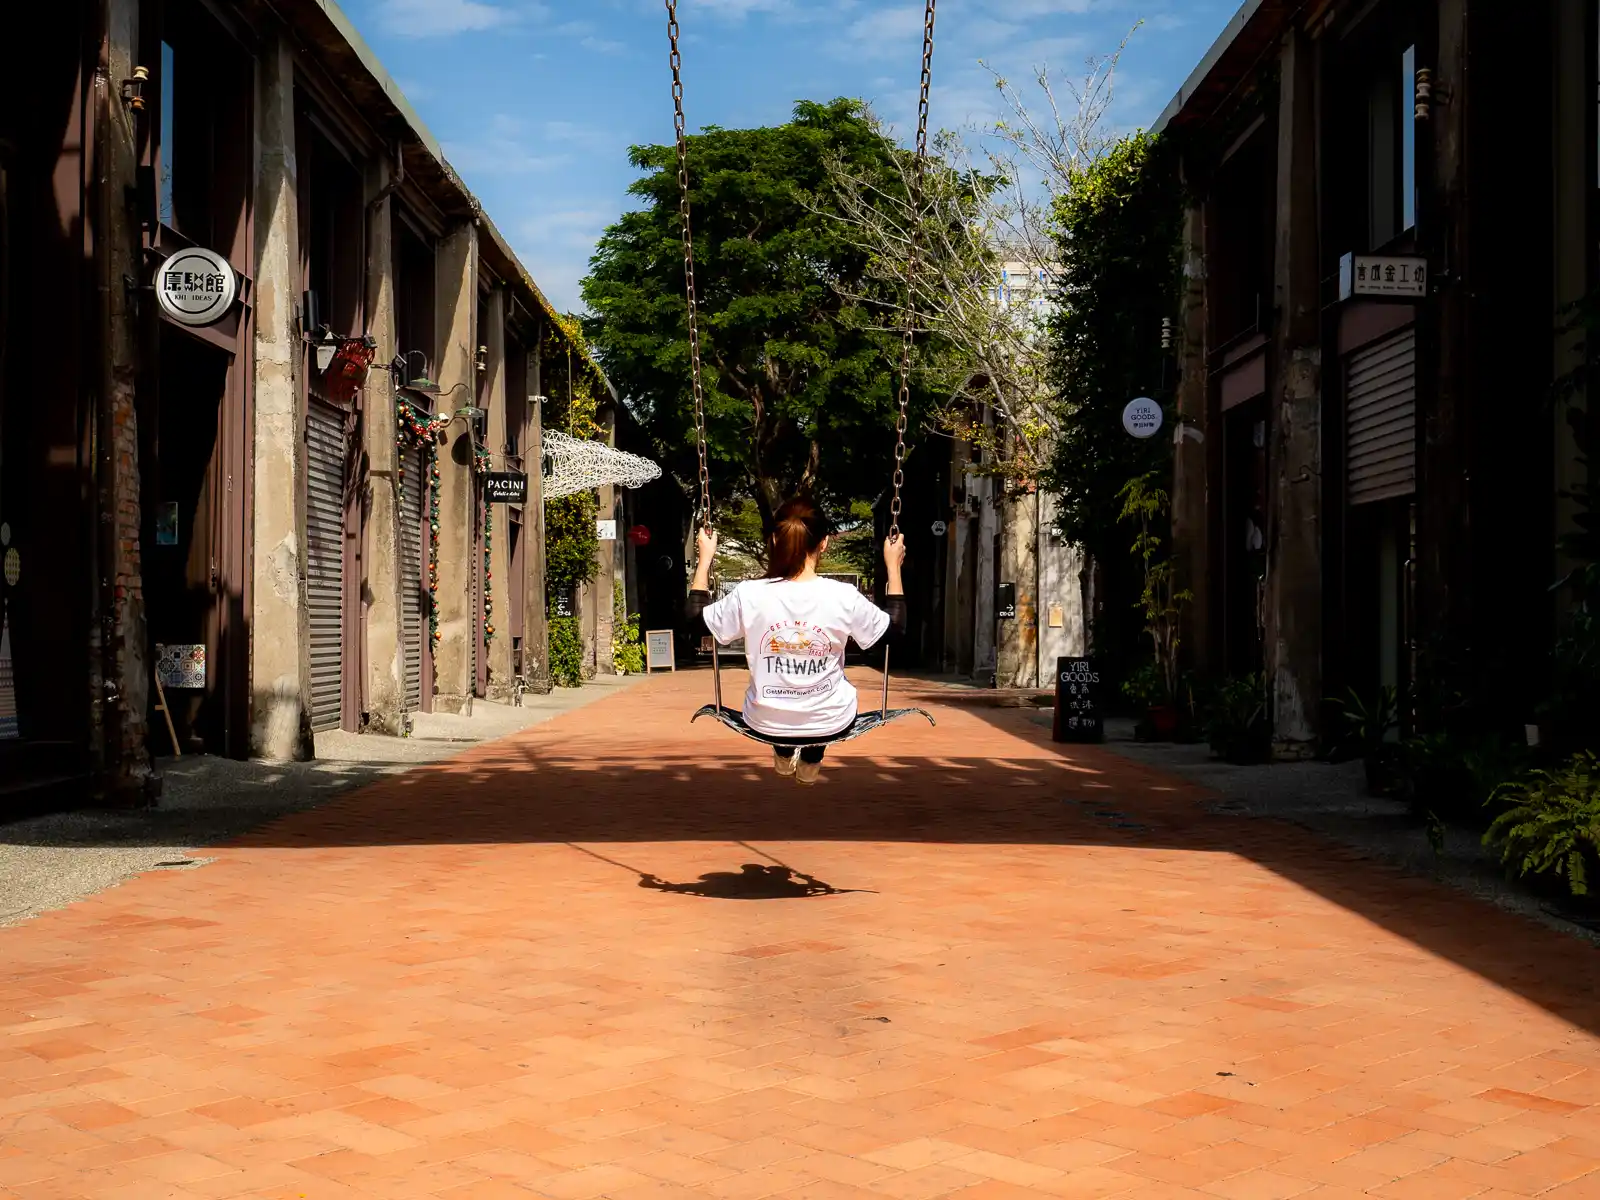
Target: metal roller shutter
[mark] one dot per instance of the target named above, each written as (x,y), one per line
(413,613)
(325,480)
(1381,419)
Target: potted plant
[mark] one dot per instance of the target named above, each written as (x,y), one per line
(1162,600)
(1550,829)
(1236,720)
(1367,725)
(1145,694)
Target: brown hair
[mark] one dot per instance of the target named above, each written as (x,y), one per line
(798,529)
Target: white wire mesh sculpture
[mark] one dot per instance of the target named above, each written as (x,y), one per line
(573,465)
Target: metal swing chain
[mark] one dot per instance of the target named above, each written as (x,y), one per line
(676,61)
(912,264)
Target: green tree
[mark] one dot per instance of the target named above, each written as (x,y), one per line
(792,362)
(1118,274)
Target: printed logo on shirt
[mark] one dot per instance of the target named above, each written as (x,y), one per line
(796,650)
(784,691)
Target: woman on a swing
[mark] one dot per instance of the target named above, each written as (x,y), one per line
(795,627)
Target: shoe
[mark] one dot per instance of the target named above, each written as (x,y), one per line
(784,764)
(805,772)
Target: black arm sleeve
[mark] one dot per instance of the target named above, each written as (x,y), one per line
(895,606)
(696,614)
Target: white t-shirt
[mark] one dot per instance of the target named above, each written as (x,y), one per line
(794,640)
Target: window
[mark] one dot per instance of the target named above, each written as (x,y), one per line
(1392,151)
(168,138)
(1408,139)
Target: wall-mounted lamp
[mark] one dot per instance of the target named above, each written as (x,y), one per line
(133,89)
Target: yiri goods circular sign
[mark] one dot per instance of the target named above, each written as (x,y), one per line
(196,287)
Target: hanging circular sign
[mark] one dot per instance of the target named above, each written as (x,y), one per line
(1142,417)
(938,528)
(639,535)
(196,287)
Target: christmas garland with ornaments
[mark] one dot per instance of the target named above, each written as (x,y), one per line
(417,430)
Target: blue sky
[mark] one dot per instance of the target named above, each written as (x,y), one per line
(537,101)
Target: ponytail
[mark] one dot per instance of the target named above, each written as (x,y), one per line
(798,529)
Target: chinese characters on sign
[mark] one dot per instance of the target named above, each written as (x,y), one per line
(1399,278)
(1142,418)
(1078,717)
(196,287)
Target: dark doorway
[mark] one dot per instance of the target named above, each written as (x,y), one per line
(185,521)
(48,367)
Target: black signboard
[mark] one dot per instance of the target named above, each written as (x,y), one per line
(1079,717)
(561,604)
(1005,605)
(505,487)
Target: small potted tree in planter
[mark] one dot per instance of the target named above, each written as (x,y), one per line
(1161,601)
(1367,725)
(1236,721)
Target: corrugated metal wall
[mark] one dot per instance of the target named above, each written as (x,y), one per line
(1381,419)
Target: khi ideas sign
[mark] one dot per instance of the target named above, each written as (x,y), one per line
(1392,277)
(196,287)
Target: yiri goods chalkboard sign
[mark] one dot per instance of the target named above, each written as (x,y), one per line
(1079,716)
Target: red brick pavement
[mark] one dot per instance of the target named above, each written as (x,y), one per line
(1046,973)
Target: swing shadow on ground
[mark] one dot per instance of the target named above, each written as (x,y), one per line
(606,784)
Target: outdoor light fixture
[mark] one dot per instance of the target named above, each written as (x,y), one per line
(133,89)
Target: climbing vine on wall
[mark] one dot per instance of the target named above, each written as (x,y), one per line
(571,540)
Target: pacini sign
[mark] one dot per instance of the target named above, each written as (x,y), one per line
(505,487)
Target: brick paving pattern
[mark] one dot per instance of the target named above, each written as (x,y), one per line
(1001,969)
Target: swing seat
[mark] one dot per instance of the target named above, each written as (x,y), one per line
(864,723)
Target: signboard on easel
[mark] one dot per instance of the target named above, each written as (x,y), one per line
(658,651)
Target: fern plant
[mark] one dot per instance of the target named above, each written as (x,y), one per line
(1551,826)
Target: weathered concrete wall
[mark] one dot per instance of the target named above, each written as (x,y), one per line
(119,691)
(380,585)
(983,621)
(1294,519)
(1060,595)
(960,569)
(502,620)
(1017,641)
(280,717)
(535,617)
(605,574)
(456,325)
(1190,497)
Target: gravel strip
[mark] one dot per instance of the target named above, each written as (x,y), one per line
(51,861)
(1332,800)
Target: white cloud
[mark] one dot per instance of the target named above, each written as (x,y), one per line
(556,247)
(434,18)
(503,148)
